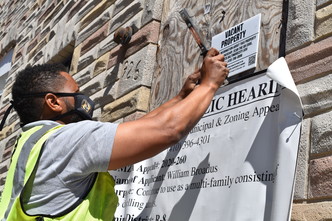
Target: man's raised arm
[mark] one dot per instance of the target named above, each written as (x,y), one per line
(141,139)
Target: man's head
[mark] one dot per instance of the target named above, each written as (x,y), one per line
(46,92)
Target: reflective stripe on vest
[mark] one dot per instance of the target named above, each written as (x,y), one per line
(100,203)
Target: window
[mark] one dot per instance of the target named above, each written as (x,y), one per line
(5,66)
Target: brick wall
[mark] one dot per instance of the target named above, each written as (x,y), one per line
(117,77)
(309,45)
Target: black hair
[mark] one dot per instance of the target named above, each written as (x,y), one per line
(35,79)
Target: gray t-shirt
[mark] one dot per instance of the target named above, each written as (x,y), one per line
(67,165)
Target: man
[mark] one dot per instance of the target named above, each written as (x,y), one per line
(59,168)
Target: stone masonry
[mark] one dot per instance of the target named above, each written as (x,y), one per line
(118,77)
(309,56)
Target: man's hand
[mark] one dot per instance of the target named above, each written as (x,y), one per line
(214,70)
(190,84)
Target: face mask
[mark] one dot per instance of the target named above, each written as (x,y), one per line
(84,106)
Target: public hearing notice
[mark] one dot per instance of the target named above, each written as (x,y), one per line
(237,163)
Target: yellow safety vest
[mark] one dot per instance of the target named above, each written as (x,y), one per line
(99,204)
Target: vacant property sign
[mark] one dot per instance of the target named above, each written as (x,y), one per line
(239,44)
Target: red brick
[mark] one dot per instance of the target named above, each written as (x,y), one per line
(311,61)
(94,39)
(320,178)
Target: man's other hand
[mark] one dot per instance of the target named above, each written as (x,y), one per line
(214,70)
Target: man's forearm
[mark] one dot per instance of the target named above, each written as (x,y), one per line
(164,106)
(187,88)
(183,116)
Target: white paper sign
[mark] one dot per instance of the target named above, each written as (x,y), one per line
(239,44)
(238,162)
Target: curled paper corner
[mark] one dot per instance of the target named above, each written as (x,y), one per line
(279,72)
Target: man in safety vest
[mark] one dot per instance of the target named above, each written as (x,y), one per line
(59,167)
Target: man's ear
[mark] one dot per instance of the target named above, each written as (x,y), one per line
(53,103)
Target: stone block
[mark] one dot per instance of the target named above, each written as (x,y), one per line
(315,95)
(72,34)
(94,26)
(12,117)
(38,58)
(322,3)
(33,43)
(320,178)
(5,131)
(95,38)
(104,97)
(321,134)
(96,113)
(120,5)
(88,58)
(63,13)
(323,22)
(101,64)
(301,178)
(8,149)
(152,11)
(49,50)
(87,8)
(18,54)
(111,78)
(147,35)
(137,70)
(50,16)
(45,14)
(75,9)
(75,59)
(4,166)
(321,211)
(137,100)
(45,32)
(42,43)
(83,76)
(125,15)
(106,45)
(95,84)
(300,30)
(101,99)
(60,37)
(95,12)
